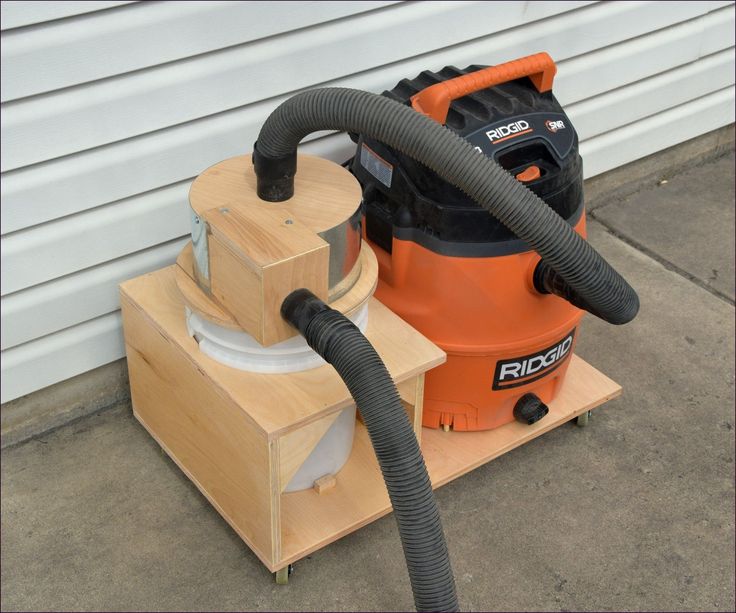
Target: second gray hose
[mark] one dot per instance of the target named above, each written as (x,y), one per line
(605,292)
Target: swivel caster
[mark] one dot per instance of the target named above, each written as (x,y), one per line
(582,419)
(282,575)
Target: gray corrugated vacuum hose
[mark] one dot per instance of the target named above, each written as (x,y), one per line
(598,286)
(341,343)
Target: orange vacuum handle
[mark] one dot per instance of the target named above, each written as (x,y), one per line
(434,101)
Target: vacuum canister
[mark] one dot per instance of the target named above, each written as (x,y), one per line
(460,276)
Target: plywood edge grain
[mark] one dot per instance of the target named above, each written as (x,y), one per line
(274,462)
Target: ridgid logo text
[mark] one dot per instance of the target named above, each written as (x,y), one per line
(523,370)
(510,130)
(555,125)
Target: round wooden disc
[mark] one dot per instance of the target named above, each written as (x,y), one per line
(325,193)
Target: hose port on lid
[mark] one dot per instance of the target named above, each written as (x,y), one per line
(522,157)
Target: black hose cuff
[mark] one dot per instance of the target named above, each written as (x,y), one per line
(547,281)
(275,175)
(300,307)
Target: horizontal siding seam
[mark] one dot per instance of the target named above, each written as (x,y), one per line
(198,55)
(282,91)
(265,100)
(659,114)
(46,22)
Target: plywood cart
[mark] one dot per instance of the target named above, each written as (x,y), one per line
(239,435)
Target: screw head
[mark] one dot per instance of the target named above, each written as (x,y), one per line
(288,222)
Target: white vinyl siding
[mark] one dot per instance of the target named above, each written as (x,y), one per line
(109,109)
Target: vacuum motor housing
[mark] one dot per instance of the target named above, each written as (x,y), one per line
(461,277)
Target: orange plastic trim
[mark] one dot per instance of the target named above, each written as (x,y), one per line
(434,102)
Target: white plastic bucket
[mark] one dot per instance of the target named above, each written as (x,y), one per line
(240,350)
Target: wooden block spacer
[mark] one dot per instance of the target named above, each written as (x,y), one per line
(325,484)
(200,301)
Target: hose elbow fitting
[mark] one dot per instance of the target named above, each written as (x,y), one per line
(274,175)
(547,281)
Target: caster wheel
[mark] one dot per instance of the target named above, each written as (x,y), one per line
(282,575)
(582,419)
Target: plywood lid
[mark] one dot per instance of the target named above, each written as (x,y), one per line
(325,193)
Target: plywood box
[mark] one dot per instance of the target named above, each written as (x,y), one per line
(240,436)
(256,260)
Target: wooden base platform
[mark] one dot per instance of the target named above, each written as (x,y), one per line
(235,434)
(311,521)
(452,454)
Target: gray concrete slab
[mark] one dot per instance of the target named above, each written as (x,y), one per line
(634,512)
(687,220)
(64,402)
(629,178)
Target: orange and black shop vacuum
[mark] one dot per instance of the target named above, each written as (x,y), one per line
(466,279)
(473,203)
